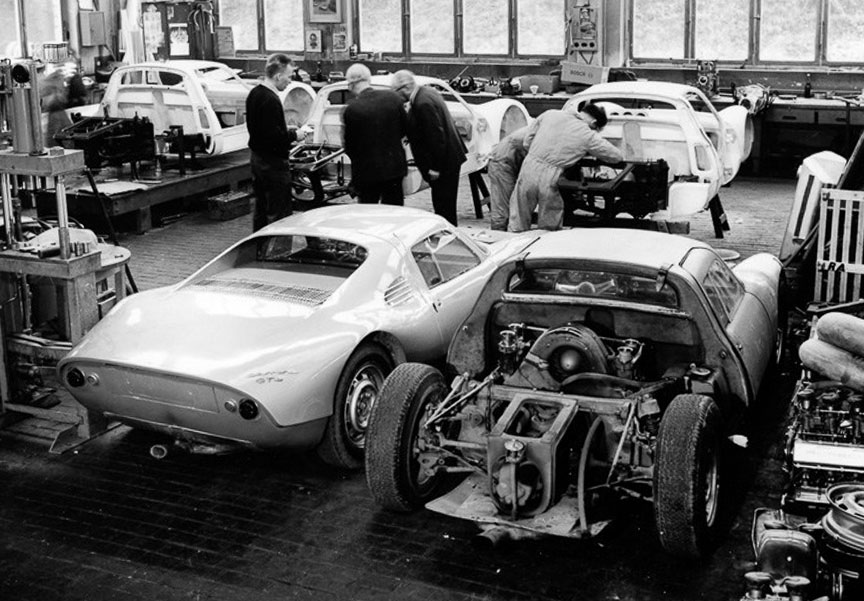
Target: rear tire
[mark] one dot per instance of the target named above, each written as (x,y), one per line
(393,472)
(687,476)
(357,392)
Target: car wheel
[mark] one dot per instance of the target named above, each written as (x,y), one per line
(356,393)
(687,476)
(394,472)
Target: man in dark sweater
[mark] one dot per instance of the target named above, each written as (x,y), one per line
(270,141)
(375,123)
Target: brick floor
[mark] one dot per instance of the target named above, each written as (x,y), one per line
(106,521)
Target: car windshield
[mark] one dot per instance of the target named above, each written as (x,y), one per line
(311,250)
(590,283)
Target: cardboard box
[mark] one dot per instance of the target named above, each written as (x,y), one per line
(585,74)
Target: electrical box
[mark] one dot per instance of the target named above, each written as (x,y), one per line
(585,32)
(92,24)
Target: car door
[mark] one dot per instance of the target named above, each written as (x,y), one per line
(454,271)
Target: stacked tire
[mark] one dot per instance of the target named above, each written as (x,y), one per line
(837,350)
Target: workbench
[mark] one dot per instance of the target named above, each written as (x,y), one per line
(212,174)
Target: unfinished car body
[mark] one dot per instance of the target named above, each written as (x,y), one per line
(677,123)
(480,125)
(595,364)
(207,99)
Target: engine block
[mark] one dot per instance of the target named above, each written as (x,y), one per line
(825,441)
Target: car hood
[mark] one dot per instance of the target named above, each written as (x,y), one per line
(222,337)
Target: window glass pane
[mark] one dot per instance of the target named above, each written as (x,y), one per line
(283,24)
(845,24)
(380,25)
(722,29)
(787,30)
(658,28)
(432,29)
(484,26)
(242,17)
(43,23)
(540,27)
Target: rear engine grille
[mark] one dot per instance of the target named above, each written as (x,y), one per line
(294,294)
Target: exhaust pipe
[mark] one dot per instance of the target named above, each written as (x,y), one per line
(158,451)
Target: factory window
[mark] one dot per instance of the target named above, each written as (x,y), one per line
(658,28)
(787,30)
(380,25)
(462,27)
(432,26)
(282,24)
(845,24)
(264,25)
(486,27)
(540,27)
(42,23)
(729,42)
(748,31)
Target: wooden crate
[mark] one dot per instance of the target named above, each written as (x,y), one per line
(840,247)
(228,205)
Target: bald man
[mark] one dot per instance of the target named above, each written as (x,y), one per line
(436,145)
(375,123)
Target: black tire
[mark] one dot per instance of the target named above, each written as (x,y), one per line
(392,471)
(357,392)
(687,476)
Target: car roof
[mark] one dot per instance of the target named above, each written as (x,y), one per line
(648,249)
(653,88)
(361,222)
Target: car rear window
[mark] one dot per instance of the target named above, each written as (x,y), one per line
(590,283)
(310,250)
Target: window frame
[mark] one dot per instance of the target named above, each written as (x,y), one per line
(754,37)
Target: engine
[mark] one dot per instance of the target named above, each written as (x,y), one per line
(530,448)
(825,441)
(554,359)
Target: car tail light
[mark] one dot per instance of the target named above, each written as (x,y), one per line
(248,409)
(75,378)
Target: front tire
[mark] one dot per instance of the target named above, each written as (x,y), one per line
(357,392)
(687,476)
(394,474)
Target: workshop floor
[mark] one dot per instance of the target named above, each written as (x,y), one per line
(107,521)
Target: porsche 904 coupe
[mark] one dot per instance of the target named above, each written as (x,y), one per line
(285,338)
(598,364)
(480,125)
(703,148)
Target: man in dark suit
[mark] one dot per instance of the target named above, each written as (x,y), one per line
(436,145)
(270,142)
(375,123)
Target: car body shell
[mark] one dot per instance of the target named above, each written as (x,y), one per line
(704,148)
(206,98)
(480,125)
(174,358)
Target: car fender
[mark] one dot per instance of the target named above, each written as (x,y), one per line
(760,274)
(739,125)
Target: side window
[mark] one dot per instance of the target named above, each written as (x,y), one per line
(442,256)
(723,289)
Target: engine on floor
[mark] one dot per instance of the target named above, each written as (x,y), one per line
(825,441)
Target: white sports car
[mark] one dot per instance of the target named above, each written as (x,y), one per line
(704,148)
(285,338)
